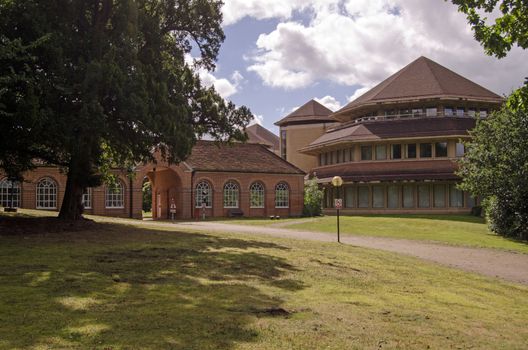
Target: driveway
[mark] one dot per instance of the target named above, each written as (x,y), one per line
(509,266)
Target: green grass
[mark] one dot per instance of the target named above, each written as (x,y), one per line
(116,286)
(462,230)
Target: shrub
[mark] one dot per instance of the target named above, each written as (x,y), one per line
(313,197)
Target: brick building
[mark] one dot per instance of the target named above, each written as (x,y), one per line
(395,146)
(246,179)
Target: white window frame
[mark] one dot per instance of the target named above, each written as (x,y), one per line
(256,191)
(115,199)
(231,195)
(282,195)
(5,193)
(87,198)
(199,196)
(48,188)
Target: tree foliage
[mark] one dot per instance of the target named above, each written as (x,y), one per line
(509,28)
(313,197)
(495,166)
(91,85)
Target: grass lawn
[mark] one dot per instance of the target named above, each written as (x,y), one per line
(113,286)
(462,230)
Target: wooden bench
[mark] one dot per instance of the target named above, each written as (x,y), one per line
(236,212)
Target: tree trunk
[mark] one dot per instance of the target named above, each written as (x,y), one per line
(71,208)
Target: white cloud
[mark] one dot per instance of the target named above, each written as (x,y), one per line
(329,102)
(361,42)
(358,93)
(257,119)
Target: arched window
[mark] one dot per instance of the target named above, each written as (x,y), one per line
(115,195)
(203,194)
(231,195)
(46,194)
(87,198)
(9,193)
(282,195)
(256,195)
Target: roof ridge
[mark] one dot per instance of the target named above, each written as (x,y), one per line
(394,76)
(436,80)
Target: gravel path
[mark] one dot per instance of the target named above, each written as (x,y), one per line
(509,266)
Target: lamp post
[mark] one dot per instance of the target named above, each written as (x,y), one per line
(337,182)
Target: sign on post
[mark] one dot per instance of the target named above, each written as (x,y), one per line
(338,203)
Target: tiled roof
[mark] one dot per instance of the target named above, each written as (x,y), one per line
(389,129)
(259,134)
(422,78)
(238,157)
(391,170)
(311,111)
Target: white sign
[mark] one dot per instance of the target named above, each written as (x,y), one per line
(338,203)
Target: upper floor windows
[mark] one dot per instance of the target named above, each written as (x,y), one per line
(366,152)
(411,150)
(459,149)
(431,112)
(381,152)
(396,151)
(426,150)
(441,149)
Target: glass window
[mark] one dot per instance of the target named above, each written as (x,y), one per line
(423,196)
(460,151)
(456,197)
(115,195)
(366,152)
(381,152)
(283,144)
(320,159)
(431,112)
(231,195)
(256,195)
(426,150)
(411,150)
(87,198)
(392,196)
(350,197)
(203,194)
(483,113)
(282,196)
(378,197)
(417,112)
(351,154)
(408,196)
(441,149)
(460,111)
(396,151)
(46,194)
(439,194)
(472,112)
(448,111)
(471,201)
(9,194)
(363,197)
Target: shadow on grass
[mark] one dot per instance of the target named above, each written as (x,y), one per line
(116,286)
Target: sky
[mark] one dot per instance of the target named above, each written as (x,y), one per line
(279,54)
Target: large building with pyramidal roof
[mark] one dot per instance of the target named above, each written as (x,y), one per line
(396,146)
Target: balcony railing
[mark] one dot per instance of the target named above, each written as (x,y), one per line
(469,114)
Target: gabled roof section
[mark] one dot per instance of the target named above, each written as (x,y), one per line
(420,79)
(259,134)
(238,157)
(311,112)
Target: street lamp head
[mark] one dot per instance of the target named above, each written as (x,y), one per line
(337,181)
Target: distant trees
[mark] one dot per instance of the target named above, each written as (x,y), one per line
(91,85)
(495,166)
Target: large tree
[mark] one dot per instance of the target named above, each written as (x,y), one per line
(499,35)
(88,85)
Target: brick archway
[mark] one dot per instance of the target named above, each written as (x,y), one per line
(167,189)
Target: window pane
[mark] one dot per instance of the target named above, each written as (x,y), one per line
(441,149)
(483,113)
(231,195)
(366,152)
(471,201)
(460,151)
(378,197)
(351,154)
(203,194)
(381,152)
(392,196)
(256,195)
(426,150)
(416,112)
(283,144)
(282,196)
(448,111)
(363,197)
(411,150)
(9,193)
(349,197)
(456,197)
(439,193)
(408,196)
(430,112)
(423,196)
(460,111)
(396,151)
(472,112)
